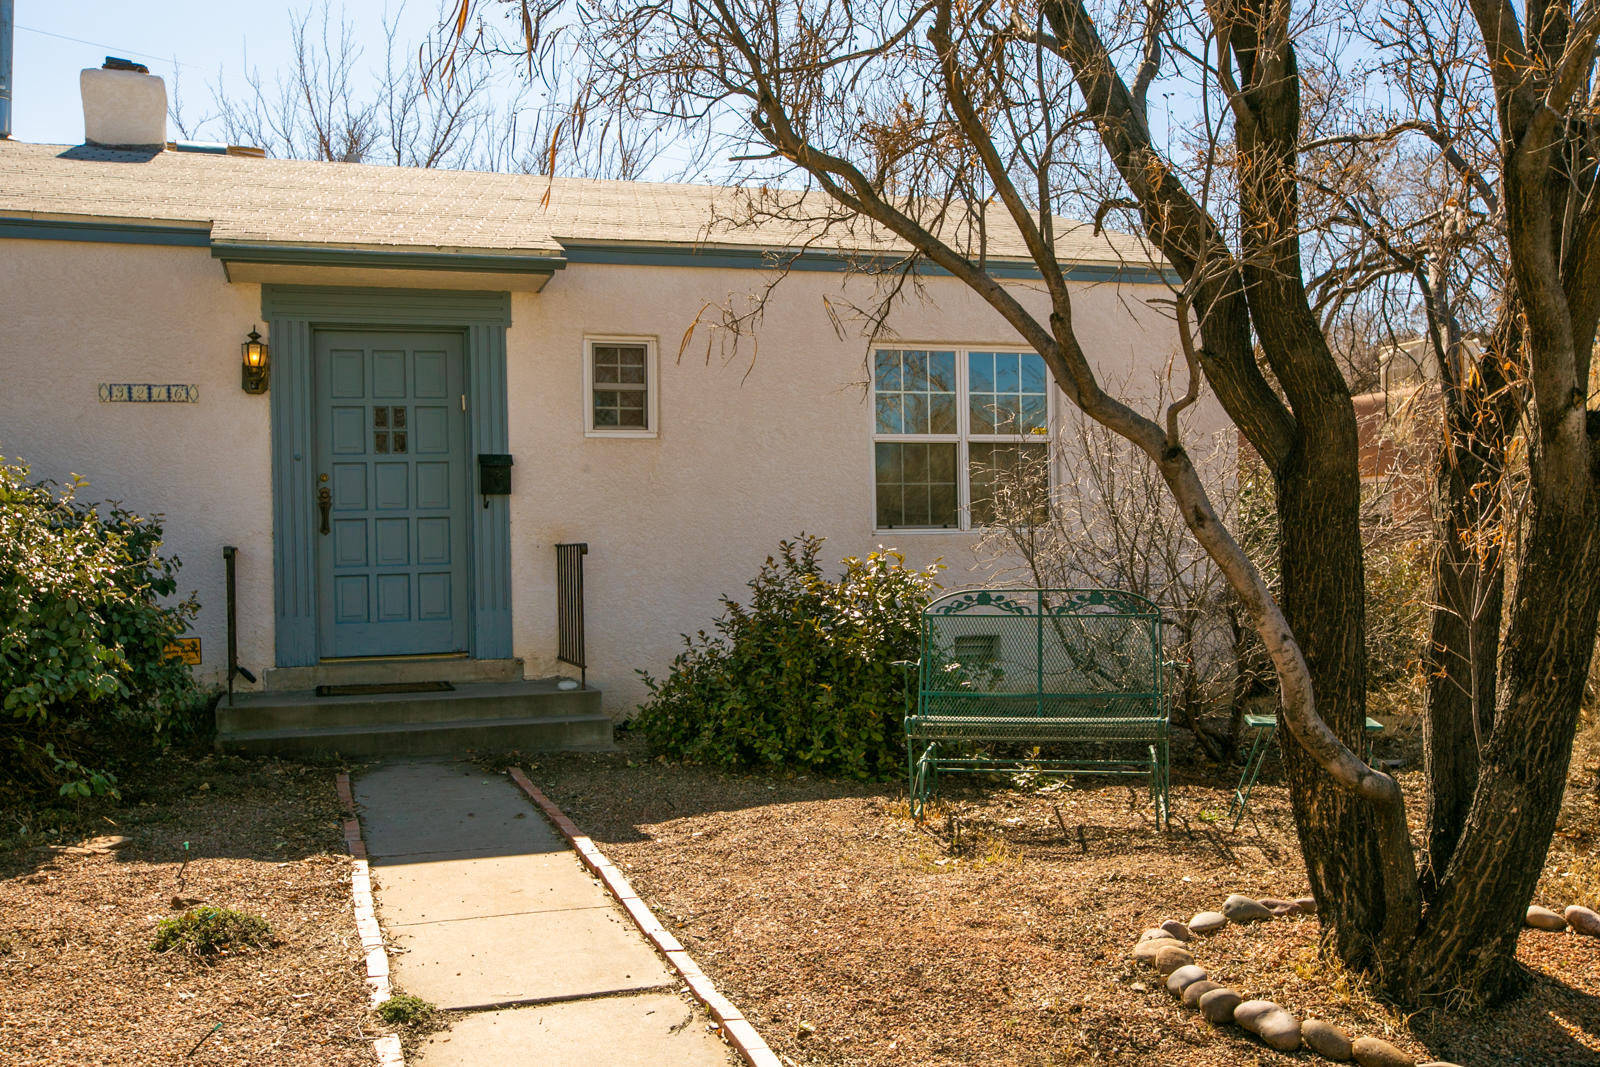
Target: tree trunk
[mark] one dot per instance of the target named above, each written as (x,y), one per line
(1468,939)
(1463,642)
(1320,553)
(1463,653)
(1311,453)
(1464,635)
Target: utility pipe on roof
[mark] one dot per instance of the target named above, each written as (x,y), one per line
(8,18)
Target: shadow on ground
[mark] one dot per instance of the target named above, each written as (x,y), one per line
(223,807)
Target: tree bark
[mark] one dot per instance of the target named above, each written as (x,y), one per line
(1462,657)
(1366,917)
(1469,934)
(1322,599)
(1463,645)
(1468,940)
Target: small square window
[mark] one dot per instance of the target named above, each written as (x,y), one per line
(976,650)
(619,387)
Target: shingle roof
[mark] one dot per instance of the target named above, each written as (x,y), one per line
(347,205)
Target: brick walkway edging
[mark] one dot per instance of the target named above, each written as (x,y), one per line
(387,1047)
(741,1035)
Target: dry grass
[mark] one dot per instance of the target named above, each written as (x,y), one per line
(80,983)
(998,933)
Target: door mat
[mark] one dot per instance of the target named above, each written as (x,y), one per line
(376,688)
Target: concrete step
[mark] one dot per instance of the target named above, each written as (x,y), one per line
(303,709)
(453,669)
(540,734)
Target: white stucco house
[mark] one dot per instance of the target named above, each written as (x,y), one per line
(422,326)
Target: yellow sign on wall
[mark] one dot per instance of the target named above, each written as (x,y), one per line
(186,649)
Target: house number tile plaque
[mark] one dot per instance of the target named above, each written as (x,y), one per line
(148,393)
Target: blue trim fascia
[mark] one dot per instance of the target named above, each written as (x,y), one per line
(117,233)
(390,259)
(610,254)
(825,260)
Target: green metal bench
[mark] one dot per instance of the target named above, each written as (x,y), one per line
(1266,728)
(1006,674)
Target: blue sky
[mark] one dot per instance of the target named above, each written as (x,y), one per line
(194,40)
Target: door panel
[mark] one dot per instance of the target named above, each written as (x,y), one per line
(391,453)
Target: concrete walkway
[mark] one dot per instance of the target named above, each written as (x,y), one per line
(491,915)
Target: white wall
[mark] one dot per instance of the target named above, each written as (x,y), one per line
(751,449)
(75,314)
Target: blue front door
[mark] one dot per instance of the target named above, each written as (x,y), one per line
(392,493)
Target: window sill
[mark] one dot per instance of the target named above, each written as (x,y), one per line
(634,434)
(923,531)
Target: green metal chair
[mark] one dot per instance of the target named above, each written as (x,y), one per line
(1006,673)
(1266,728)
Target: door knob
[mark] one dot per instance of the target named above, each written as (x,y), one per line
(324,504)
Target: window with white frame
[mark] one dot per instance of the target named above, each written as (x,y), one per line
(620,386)
(952,429)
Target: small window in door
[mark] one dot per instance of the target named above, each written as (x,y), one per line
(388,429)
(620,387)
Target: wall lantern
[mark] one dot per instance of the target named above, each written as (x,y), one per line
(253,374)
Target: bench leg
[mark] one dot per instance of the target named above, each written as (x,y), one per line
(1166,781)
(1161,783)
(1252,770)
(924,779)
(1155,783)
(911,777)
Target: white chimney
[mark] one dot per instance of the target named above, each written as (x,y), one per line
(123,105)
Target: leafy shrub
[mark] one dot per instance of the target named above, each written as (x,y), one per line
(806,675)
(1399,583)
(403,1009)
(208,931)
(83,633)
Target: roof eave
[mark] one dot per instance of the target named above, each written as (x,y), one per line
(387,259)
(40,226)
(664,254)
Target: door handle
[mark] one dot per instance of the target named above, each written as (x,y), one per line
(324,505)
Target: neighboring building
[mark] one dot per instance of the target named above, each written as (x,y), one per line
(1401,426)
(422,323)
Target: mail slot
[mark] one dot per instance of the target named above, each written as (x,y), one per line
(494,474)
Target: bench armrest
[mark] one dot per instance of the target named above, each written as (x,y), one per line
(912,667)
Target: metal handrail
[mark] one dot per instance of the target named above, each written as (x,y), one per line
(569,607)
(229,555)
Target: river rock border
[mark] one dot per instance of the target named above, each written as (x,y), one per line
(1165,949)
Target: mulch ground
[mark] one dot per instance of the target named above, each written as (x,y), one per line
(79,983)
(998,933)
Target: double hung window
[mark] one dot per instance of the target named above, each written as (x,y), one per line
(955,432)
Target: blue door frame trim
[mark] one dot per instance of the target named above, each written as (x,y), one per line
(293,312)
